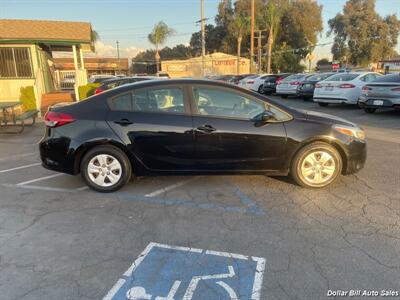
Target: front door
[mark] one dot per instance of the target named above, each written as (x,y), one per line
(156,125)
(228,138)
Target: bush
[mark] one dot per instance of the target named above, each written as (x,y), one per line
(87,90)
(27,98)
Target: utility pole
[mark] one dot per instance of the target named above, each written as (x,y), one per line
(252,37)
(203,39)
(119,62)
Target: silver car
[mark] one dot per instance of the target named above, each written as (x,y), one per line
(384,92)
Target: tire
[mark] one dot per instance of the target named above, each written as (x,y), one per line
(260,89)
(323,104)
(284,96)
(307,98)
(106,154)
(370,110)
(321,173)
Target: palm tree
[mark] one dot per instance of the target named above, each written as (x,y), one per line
(241,26)
(272,20)
(158,36)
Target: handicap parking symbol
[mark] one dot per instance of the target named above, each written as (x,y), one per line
(164,272)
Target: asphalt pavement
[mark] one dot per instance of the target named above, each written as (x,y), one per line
(202,237)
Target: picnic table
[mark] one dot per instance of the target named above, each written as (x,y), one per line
(7,110)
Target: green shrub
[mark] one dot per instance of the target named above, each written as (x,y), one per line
(87,90)
(27,98)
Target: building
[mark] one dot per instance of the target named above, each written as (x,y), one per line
(214,64)
(26,55)
(390,65)
(94,65)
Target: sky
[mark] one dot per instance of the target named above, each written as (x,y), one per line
(130,21)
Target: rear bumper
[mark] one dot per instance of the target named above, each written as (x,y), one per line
(332,100)
(365,102)
(281,91)
(308,93)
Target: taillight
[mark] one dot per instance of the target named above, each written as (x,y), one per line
(396,89)
(295,83)
(318,86)
(250,81)
(278,81)
(366,88)
(98,91)
(56,119)
(347,86)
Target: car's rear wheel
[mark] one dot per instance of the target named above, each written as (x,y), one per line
(106,169)
(370,110)
(323,104)
(284,96)
(316,165)
(260,89)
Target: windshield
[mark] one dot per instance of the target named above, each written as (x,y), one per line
(319,77)
(294,77)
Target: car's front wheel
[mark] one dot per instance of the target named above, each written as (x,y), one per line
(106,169)
(323,104)
(370,110)
(316,165)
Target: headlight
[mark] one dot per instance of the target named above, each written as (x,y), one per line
(355,132)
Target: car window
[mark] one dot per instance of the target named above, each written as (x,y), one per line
(293,77)
(319,77)
(122,102)
(388,78)
(159,100)
(368,77)
(343,77)
(221,103)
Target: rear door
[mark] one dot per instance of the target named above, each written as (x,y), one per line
(227,137)
(156,125)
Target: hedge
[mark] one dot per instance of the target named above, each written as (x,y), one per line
(87,90)
(27,98)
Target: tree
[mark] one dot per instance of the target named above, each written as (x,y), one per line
(214,38)
(158,36)
(361,35)
(241,26)
(272,19)
(94,36)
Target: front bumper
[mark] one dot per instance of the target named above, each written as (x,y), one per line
(356,158)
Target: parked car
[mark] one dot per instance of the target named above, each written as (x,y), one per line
(288,86)
(342,88)
(306,88)
(196,127)
(253,82)
(112,83)
(235,79)
(224,78)
(383,92)
(271,81)
(100,78)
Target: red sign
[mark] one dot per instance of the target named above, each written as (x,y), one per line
(335,66)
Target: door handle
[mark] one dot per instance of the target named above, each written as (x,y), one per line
(206,128)
(123,122)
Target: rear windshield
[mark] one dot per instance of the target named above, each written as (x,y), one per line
(343,77)
(319,77)
(389,78)
(294,77)
(271,78)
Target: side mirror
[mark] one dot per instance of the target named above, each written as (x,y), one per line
(267,116)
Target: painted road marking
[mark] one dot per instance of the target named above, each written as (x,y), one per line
(171,187)
(17,156)
(43,188)
(19,168)
(40,179)
(164,272)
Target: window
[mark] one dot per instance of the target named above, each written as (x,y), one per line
(343,77)
(220,103)
(15,63)
(389,78)
(122,102)
(369,77)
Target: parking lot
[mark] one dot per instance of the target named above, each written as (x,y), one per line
(60,240)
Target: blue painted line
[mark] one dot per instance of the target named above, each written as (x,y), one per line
(253,208)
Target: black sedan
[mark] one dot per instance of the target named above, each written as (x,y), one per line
(306,88)
(196,127)
(271,81)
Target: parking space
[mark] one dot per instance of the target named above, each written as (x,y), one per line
(177,237)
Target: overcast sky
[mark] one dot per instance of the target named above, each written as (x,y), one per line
(129,21)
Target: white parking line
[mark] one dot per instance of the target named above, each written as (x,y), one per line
(17,156)
(40,188)
(40,179)
(171,187)
(19,168)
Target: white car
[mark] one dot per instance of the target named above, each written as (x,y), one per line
(288,86)
(253,82)
(342,88)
